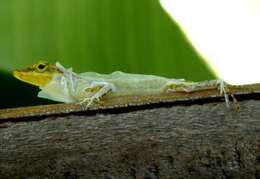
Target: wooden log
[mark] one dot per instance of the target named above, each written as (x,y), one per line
(174,141)
(198,141)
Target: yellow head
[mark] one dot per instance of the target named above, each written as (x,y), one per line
(39,74)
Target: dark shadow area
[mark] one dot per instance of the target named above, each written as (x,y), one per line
(14,93)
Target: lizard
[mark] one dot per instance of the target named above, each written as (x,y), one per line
(63,85)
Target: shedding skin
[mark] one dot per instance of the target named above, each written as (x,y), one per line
(60,84)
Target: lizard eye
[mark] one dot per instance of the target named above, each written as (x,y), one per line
(41,67)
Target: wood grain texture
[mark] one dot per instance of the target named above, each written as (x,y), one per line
(195,141)
(119,103)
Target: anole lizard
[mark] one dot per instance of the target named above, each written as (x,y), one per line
(60,84)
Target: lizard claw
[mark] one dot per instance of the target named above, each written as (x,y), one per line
(87,102)
(224,90)
(222,86)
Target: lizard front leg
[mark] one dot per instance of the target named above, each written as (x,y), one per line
(95,92)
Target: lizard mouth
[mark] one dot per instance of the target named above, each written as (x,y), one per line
(35,79)
(18,74)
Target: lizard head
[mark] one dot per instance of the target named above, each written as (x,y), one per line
(39,74)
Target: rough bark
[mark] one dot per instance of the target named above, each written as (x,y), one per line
(194,141)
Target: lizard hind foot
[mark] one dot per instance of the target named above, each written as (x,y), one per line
(225,91)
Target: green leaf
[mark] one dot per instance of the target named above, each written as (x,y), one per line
(133,36)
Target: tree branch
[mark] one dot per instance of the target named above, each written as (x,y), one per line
(206,140)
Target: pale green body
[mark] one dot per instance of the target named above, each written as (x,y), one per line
(130,84)
(87,87)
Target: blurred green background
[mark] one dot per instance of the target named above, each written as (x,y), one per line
(134,36)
